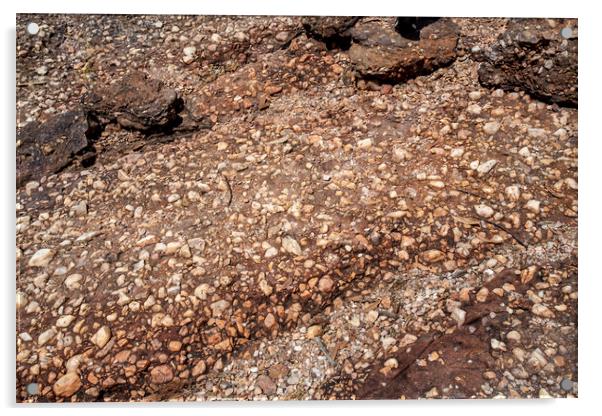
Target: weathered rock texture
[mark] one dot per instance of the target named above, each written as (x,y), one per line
(299,247)
(47,147)
(135,102)
(334,31)
(379,52)
(536,56)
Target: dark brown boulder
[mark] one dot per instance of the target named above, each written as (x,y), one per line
(536,56)
(332,30)
(48,147)
(135,102)
(381,53)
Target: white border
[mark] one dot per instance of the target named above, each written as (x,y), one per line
(590,276)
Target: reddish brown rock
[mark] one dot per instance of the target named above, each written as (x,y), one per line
(162,374)
(266,384)
(67,385)
(135,102)
(379,52)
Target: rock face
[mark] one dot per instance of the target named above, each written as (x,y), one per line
(379,52)
(135,102)
(47,147)
(538,56)
(333,30)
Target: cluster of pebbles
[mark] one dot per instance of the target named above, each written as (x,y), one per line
(324,232)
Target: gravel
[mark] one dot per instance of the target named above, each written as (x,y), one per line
(318,228)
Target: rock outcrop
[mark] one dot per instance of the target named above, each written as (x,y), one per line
(538,56)
(47,147)
(379,52)
(135,102)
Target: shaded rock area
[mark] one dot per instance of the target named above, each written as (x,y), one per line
(538,56)
(311,234)
(458,359)
(135,102)
(48,147)
(380,52)
(333,31)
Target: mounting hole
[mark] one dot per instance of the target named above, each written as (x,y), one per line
(33,28)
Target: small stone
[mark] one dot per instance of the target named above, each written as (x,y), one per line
(282,36)
(102,336)
(566,384)
(533,206)
(72,281)
(199,368)
(161,374)
(459,315)
(33,389)
(537,359)
(392,363)
(388,342)
(432,393)
(270,321)
(291,245)
(364,144)
(407,339)
(313,331)
(513,193)
(482,295)
(528,274)
(543,394)
(65,321)
(326,284)
(267,385)
(542,310)
(497,344)
(474,109)
(46,336)
(293,379)
(483,210)
(219,307)
(174,346)
(524,152)
(41,258)
(513,336)
(536,133)
(21,300)
(42,70)
(399,154)
(437,184)
(491,127)
(432,256)
(474,95)
(240,36)
(271,252)
(457,152)
(67,385)
(486,166)
(173,198)
(189,51)
(73,363)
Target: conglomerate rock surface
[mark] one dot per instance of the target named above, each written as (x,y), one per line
(325,235)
